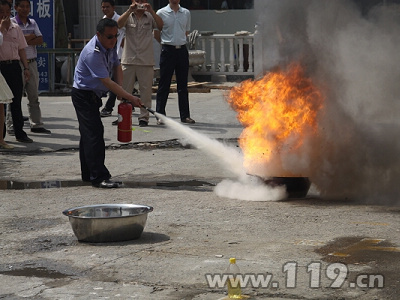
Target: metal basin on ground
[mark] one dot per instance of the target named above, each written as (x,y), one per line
(108,222)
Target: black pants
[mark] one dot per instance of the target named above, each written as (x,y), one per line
(13,76)
(171,60)
(91,145)
(111,101)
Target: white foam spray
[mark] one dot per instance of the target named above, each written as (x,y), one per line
(245,187)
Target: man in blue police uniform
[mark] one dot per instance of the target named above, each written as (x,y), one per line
(92,80)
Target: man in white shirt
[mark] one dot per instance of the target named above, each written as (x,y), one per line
(174,58)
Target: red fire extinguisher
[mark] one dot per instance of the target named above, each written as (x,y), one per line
(124,122)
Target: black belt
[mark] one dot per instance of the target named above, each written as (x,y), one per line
(31,60)
(88,93)
(9,62)
(173,46)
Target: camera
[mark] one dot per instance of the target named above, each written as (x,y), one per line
(141,6)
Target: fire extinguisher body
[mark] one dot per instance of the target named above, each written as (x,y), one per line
(124,122)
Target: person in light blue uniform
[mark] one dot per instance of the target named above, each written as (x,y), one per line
(92,80)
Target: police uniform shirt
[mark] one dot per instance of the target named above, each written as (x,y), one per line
(95,62)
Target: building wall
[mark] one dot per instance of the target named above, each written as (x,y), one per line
(223,22)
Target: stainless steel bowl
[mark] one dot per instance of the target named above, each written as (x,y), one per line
(108,222)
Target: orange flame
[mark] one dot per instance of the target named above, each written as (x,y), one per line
(278,112)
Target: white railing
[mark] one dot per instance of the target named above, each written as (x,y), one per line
(226,54)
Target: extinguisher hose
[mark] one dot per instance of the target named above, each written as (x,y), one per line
(149,109)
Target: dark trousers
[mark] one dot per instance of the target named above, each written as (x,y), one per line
(171,60)
(91,145)
(13,76)
(110,102)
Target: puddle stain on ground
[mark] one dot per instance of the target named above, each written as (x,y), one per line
(376,254)
(41,268)
(360,250)
(20,185)
(40,272)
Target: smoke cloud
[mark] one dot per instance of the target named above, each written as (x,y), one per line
(353,57)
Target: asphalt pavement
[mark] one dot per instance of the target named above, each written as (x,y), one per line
(298,248)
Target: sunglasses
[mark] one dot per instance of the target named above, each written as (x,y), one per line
(110,37)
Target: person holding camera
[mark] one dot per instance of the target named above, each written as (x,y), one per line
(139,21)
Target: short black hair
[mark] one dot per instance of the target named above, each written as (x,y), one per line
(112,2)
(103,23)
(17,2)
(5,2)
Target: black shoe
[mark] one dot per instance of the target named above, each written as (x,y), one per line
(105,113)
(188,121)
(115,122)
(25,139)
(143,123)
(25,118)
(40,130)
(107,184)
